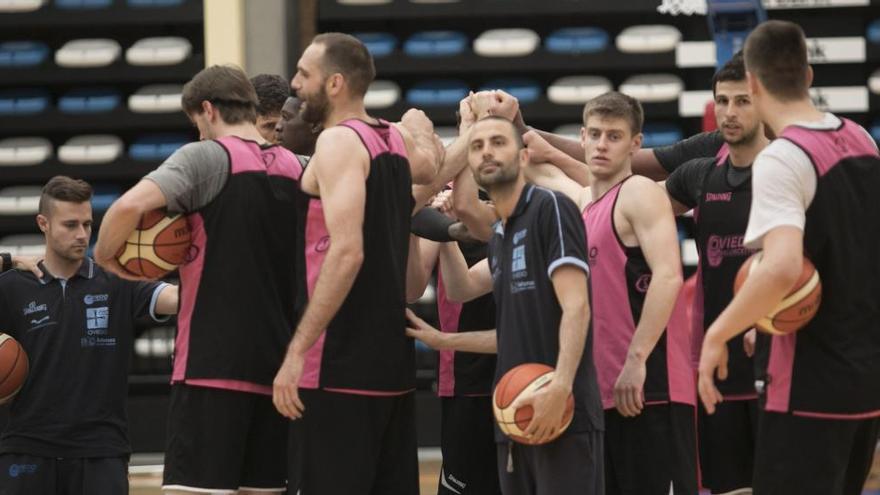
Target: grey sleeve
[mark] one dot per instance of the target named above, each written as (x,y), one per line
(193,176)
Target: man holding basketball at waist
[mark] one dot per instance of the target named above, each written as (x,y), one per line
(814,195)
(67,429)
(537,265)
(237,298)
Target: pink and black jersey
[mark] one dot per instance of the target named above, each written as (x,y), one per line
(721,196)
(365,348)
(465,373)
(620,280)
(237,289)
(831,368)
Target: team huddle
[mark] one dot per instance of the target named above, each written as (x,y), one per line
(294,367)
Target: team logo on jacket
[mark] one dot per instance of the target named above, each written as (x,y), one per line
(720,247)
(33,307)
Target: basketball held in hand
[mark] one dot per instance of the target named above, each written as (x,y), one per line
(527,377)
(797,308)
(157,246)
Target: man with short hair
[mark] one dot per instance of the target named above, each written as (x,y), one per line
(294,133)
(237,308)
(644,367)
(538,267)
(719,190)
(68,429)
(272,91)
(349,373)
(814,195)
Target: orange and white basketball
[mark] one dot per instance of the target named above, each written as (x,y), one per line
(799,306)
(527,377)
(157,246)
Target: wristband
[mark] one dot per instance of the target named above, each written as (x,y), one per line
(7,261)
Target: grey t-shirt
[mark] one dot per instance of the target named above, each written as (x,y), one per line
(193,176)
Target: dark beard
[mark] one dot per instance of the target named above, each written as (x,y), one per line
(504,175)
(746,138)
(316,108)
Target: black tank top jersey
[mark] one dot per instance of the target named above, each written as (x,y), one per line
(466,373)
(365,348)
(237,290)
(831,367)
(721,216)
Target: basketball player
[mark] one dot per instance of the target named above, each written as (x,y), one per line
(349,373)
(719,191)
(538,263)
(272,91)
(237,307)
(813,195)
(292,131)
(67,429)
(656,163)
(464,379)
(644,368)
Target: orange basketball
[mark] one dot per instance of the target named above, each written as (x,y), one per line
(157,246)
(13,367)
(525,377)
(799,306)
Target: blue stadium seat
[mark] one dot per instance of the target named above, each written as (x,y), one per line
(577,40)
(437,92)
(22,53)
(435,44)
(103,196)
(89,100)
(378,44)
(523,89)
(875,130)
(83,4)
(660,135)
(23,101)
(156,147)
(873,32)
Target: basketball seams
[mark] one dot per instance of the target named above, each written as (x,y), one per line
(142,255)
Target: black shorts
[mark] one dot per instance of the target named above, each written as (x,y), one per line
(224,440)
(646,454)
(467,441)
(727,445)
(355,444)
(22,474)
(569,465)
(808,456)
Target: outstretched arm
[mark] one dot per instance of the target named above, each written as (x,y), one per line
(481,341)
(463,284)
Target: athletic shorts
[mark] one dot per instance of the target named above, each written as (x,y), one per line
(808,456)
(727,445)
(224,440)
(22,474)
(646,454)
(356,444)
(569,465)
(467,441)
